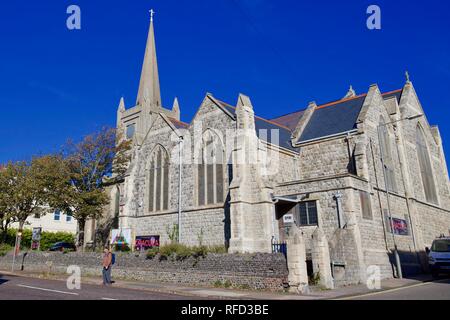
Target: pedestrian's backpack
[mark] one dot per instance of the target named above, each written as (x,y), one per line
(113,258)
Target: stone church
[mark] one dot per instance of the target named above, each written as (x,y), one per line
(352,179)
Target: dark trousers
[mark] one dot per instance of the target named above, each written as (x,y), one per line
(107,275)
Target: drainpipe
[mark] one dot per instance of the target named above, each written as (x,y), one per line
(180,167)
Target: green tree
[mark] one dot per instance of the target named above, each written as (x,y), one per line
(89,162)
(20,193)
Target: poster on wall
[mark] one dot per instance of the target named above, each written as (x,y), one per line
(400,227)
(36,238)
(146,242)
(121,237)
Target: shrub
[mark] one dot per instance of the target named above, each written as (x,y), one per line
(122,248)
(47,238)
(4,249)
(179,252)
(314,279)
(175,251)
(151,253)
(199,252)
(217,249)
(227,284)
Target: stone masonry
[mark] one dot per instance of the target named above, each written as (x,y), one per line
(322,164)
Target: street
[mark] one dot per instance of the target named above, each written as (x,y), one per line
(435,290)
(24,288)
(13,287)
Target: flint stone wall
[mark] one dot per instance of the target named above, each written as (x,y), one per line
(252,271)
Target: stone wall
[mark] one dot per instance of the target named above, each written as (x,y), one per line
(256,271)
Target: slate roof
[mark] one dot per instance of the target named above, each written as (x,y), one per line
(395,93)
(338,116)
(290,120)
(333,118)
(264,129)
(328,119)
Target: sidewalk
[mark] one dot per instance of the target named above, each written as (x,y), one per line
(220,293)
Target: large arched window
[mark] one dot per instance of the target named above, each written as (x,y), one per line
(425,167)
(158,186)
(210,175)
(388,159)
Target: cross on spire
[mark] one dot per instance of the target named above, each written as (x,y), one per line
(152,13)
(408,80)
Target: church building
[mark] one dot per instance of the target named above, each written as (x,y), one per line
(356,178)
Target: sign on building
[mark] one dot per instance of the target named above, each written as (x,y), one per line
(121,238)
(288,218)
(400,226)
(146,242)
(36,238)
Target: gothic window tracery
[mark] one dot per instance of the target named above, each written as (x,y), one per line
(158,180)
(426,171)
(210,173)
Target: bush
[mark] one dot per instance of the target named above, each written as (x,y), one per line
(175,251)
(47,238)
(151,253)
(217,249)
(179,252)
(122,248)
(4,249)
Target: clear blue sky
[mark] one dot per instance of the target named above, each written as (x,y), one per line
(57,84)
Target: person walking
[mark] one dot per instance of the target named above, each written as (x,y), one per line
(107,266)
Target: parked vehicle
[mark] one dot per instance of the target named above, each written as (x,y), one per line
(439,256)
(61,246)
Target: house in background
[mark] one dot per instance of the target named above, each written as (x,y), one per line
(56,221)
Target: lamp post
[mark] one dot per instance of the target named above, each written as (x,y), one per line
(397,256)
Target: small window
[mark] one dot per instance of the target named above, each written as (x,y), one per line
(307,214)
(57,215)
(130,131)
(366,206)
(69,217)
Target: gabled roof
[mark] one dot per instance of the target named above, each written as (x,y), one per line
(264,129)
(338,116)
(396,93)
(289,120)
(178,124)
(332,118)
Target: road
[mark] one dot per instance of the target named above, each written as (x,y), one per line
(24,288)
(435,290)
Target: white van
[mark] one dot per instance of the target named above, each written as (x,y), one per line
(439,256)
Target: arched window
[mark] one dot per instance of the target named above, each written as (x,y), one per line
(211,170)
(158,191)
(425,167)
(388,159)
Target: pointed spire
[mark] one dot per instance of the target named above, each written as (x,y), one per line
(149,94)
(121,107)
(351,93)
(176,105)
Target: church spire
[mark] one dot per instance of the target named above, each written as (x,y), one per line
(149,95)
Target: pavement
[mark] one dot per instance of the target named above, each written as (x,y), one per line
(29,286)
